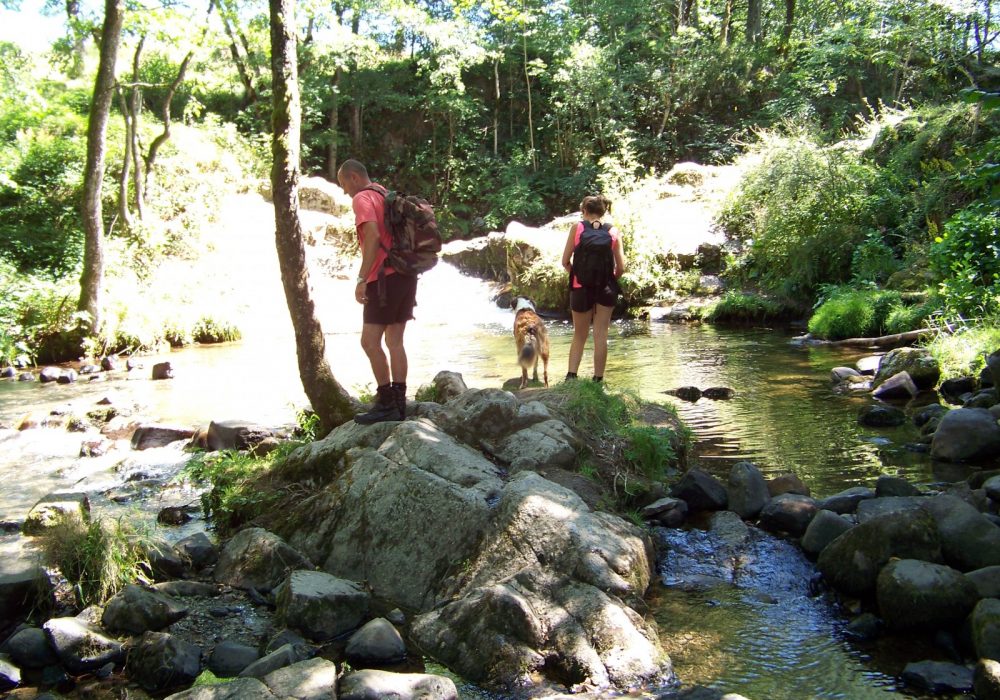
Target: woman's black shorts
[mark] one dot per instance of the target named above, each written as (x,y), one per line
(583,299)
(392,300)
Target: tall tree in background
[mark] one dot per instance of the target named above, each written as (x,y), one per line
(92,278)
(329,400)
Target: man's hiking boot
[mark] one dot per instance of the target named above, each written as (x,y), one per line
(385,408)
(399,391)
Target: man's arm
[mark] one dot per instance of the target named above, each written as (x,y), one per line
(369,249)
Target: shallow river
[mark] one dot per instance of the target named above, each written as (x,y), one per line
(762,635)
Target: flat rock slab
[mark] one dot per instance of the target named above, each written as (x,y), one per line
(158,435)
(239,689)
(315,679)
(383,685)
(938,677)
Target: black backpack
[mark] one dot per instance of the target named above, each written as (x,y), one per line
(416,241)
(593,261)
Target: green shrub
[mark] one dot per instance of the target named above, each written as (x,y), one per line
(904,317)
(967,256)
(853,313)
(744,307)
(873,261)
(964,352)
(99,558)
(649,450)
(207,330)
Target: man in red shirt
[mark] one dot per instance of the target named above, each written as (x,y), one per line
(388,296)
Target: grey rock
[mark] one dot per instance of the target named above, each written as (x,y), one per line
(285,636)
(279,658)
(886,486)
(985,398)
(747,490)
(969,540)
(847,500)
(81,648)
(549,443)
(173,515)
(865,627)
(718,393)
(986,680)
(163,370)
(199,550)
(383,685)
(256,558)
(319,605)
(986,581)
(25,377)
(898,387)
(8,372)
(56,508)
(685,393)
(877,507)
(953,388)
(787,483)
(315,679)
(29,648)
(922,367)
(238,689)
(68,376)
(109,363)
(158,435)
(49,374)
(701,491)
(992,369)
(851,562)
(161,662)
(668,512)
(789,513)
(396,617)
(931,411)
(24,591)
(236,435)
(136,610)
(449,385)
(377,643)
(938,677)
(992,488)
(869,365)
(823,529)
(966,434)
(839,374)
(165,561)
(985,624)
(10,675)
(920,595)
(881,416)
(230,658)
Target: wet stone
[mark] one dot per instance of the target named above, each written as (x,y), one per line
(938,677)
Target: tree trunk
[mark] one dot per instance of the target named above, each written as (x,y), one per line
(79,38)
(124,211)
(753,33)
(727,23)
(496,106)
(329,400)
(786,31)
(889,341)
(135,147)
(531,122)
(92,278)
(333,122)
(165,134)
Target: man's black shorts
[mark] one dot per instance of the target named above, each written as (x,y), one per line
(583,299)
(392,301)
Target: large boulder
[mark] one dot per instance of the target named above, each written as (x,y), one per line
(701,491)
(986,581)
(256,558)
(922,367)
(851,562)
(80,647)
(160,662)
(230,658)
(986,680)
(985,624)
(888,485)
(135,610)
(747,490)
(877,507)
(824,528)
(24,591)
(789,513)
(383,685)
(921,595)
(56,508)
(29,648)
(10,675)
(938,677)
(966,434)
(239,689)
(235,435)
(319,194)
(549,443)
(314,679)
(158,435)
(898,387)
(969,540)
(878,415)
(542,595)
(847,500)
(378,643)
(319,605)
(449,385)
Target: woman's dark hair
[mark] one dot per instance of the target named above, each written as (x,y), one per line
(595,204)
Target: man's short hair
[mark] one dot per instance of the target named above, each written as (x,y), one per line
(354,166)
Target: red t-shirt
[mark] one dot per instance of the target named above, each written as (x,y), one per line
(576,241)
(370,206)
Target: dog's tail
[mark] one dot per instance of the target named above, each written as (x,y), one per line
(527,356)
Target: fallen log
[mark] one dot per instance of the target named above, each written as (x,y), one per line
(895,340)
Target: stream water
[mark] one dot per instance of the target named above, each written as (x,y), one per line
(763,635)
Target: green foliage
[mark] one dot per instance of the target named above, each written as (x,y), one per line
(208,330)
(649,450)
(428,392)
(307,424)
(967,255)
(853,313)
(801,209)
(744,307)
(904,317)
(234,497)
(963,353)
(99,558)
(873,261)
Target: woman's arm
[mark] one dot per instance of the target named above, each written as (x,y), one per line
(568,250)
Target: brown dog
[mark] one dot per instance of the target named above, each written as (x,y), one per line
(532,341)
